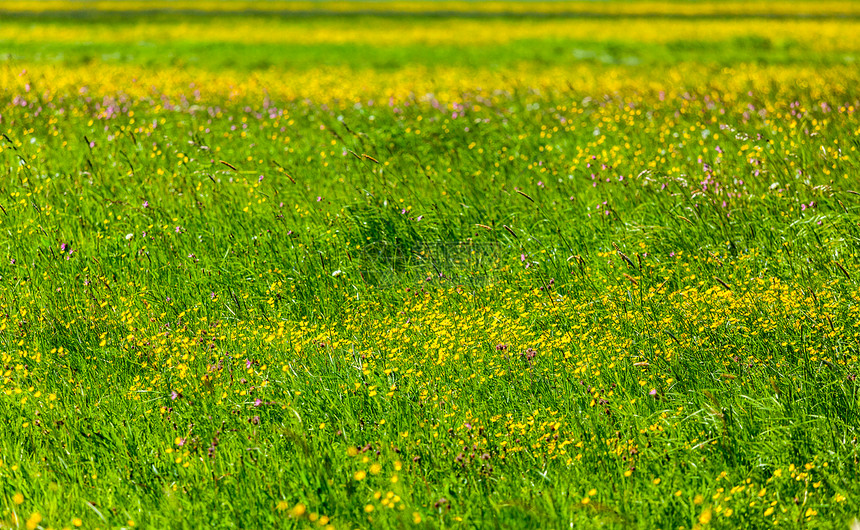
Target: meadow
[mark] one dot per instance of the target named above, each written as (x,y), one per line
(499,266)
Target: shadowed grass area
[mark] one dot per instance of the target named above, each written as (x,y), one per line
(681,8)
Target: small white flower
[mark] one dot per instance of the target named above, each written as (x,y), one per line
(337,273)
(129,236)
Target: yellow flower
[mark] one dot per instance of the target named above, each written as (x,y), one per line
(76,521)
(586,500)
(768,511)
(368,508)
(359,475)
(375,469)
(34,521)
(282,505)
(705,518)
(18,498)
(298,510)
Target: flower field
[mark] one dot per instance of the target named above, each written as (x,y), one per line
(431,265)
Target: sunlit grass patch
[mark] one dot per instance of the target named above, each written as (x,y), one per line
(395,290)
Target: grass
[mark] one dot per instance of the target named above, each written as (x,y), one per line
(345,283)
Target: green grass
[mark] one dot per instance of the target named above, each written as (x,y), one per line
(213,54)
(632,304)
